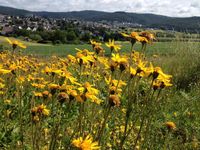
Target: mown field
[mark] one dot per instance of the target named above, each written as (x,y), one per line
(88,101)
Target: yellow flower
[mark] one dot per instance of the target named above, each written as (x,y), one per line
(87,91)
(53,86)
(71,58)
(53,71)
(132,72)
(16,43)
(36,85)
(161,83)
(159,73)
(170,125)
(135,55)
(120,61)
(90,89)
(114,100)
(85,144)
(36,118)
(118,83)
(82,59)
(7,101)
(133,36)
(93,98)
(20,79)
(149,36)
(94,43)
(165,81)
(63,97)
(37,94)
(2,85)
(111,44)
(99,50)
(4,71)
(46,94)
(85,52)
(143,37)
(43,110)
(115,90)
(72,94)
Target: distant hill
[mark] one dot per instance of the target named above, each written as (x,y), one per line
(190,24)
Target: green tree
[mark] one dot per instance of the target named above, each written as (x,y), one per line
(35,37)
(71,36)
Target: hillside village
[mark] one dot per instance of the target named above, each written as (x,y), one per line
(69,30)
(9,24)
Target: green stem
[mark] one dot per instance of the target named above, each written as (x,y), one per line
(103,125)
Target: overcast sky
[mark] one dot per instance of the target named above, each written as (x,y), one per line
(178,8)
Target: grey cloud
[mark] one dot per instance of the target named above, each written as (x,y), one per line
(195,4)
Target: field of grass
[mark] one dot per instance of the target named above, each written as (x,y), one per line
(160,48)
(51,103)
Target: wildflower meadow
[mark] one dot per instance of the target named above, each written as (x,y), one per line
(88,101)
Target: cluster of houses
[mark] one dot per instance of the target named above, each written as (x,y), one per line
(9,24)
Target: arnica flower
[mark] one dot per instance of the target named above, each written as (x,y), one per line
(2,85)
(82,59)
(88,92)
(136,56)
(4,71)
(16,44)
(118,83)
(81,98)
(122,61)
(113,66)
(142,70)
(149,36)
(85,52)
(170,125)
(99,50)
(71,58)
(53,87)
(7,101)
(43,110)
(134,36)
(46,94)
(39,111)
(165,81)
(111,44)
(85,144)
(115,90)
(161,83)
(132,72)
(94,44)
(36,85)
(52,71)
(63,97)
(158,72)
(114,100)
(37,94)
(123,64)
(72,94)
